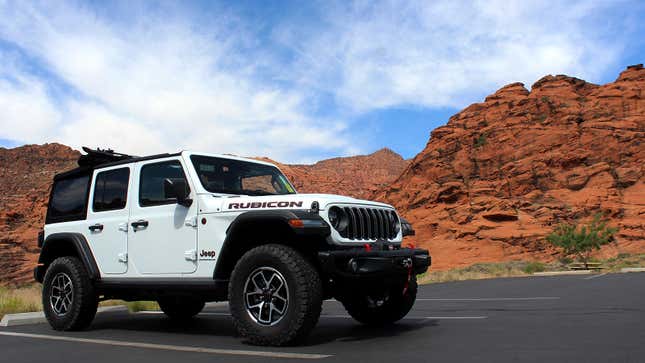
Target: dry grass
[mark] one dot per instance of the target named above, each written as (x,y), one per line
(623,260)
(522,268)
(479,271)
(135,306)
(19,299)
(27,298)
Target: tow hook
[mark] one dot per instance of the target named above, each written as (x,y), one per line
(407,263)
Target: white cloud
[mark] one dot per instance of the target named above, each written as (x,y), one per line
(446,53)
(160,80)
(157,84)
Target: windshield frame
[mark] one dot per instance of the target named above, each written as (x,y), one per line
(264,169)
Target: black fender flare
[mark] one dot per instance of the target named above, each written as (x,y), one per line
(57,243)
(310,225)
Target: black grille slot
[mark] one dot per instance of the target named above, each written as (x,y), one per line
(368,224)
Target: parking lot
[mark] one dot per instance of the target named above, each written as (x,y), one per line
(592,318)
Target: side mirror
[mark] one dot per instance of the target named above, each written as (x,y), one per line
(177,189)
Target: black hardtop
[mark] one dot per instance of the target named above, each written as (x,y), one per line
(98,158)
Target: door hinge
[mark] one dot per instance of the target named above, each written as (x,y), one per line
(123,227)
(191,221)
(123,257)
(190,255)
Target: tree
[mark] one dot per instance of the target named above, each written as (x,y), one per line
(581,241)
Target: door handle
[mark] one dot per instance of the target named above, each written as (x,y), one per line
(139,224)
(96,227)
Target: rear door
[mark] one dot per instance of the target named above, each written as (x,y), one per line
(162,235)
(107,222)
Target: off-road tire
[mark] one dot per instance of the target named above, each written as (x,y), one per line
(392,310)
(304,300)
(181,308)
(82,308)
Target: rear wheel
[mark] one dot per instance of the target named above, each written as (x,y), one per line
(69,299)
(275,296)
(382,310)
(181,308)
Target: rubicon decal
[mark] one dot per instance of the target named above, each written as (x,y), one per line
(252,205)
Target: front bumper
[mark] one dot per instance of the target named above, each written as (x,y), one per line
(360,263)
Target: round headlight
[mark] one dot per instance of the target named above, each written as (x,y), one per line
(338,219)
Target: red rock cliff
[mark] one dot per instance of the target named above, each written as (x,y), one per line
(26,173)
(494,181)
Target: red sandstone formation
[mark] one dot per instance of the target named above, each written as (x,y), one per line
(494,181)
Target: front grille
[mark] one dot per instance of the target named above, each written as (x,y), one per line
(369,224)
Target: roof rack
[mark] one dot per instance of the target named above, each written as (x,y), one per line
(98,156)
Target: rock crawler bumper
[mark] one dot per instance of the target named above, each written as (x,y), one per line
(359,263)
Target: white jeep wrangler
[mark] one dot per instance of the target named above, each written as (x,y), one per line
(188,228)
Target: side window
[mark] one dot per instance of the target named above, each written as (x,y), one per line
(151,182)
(68,199)
(111,190)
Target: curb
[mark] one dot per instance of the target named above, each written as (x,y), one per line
(560,273)
(39,317)
(632,269)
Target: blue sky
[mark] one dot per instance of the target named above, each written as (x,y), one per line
(295,81)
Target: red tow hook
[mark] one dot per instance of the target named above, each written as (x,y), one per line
(368,247)
(407,282)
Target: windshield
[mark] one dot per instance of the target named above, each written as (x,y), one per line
(227,176)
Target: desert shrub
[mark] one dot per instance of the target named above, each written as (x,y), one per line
(480,141)
(534,266)
(581,241)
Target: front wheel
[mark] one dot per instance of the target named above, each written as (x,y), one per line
(275,296)
(69,299)
(382,310)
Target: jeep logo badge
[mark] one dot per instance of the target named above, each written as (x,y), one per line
(207,255)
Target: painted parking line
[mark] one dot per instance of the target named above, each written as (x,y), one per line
(177,348)
(417,318)
(594,276)
(493,298)
(347,316)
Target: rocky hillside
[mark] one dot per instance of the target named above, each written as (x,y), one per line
(494,181)
(358,176)
(26,173)
(25,178)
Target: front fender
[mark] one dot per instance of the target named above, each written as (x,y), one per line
(253,228)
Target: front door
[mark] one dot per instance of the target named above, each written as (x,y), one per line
(162,235)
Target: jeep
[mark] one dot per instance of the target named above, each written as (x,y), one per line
(189,228)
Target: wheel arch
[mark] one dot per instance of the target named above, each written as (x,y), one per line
(66,244)
(256,228)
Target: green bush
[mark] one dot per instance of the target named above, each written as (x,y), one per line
(535,266)
(480,141)
(581,241)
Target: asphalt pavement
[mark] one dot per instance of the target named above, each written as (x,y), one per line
(592,318)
